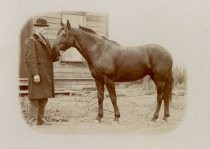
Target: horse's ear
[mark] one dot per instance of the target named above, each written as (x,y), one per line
(68,25)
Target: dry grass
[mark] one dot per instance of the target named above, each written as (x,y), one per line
(148,87)
(180,77)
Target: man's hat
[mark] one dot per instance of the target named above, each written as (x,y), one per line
(41,22)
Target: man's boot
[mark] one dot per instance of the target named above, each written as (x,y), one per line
(41,111)
(32,112)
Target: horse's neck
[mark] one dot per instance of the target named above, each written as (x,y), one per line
(86,44)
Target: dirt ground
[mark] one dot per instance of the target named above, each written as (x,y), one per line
(75,114)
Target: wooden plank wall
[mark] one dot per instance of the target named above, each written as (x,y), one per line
(98,23)
(70,70)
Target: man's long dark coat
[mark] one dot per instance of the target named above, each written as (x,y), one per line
(39,59)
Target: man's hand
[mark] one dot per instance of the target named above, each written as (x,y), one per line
(36,78)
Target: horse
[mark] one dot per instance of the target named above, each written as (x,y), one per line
(110,62)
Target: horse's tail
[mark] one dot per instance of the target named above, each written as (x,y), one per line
(169,86)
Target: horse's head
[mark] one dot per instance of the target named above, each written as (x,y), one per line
(65,38)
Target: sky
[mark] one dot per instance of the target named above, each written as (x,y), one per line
(179,26)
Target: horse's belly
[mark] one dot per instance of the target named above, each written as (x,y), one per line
(127,76)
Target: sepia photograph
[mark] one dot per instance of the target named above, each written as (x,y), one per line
(85,74)
(105,74)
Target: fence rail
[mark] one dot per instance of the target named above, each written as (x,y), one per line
(62,85)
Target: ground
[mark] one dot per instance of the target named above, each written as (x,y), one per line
(75,114)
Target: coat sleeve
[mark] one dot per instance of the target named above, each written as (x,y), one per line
(30,57)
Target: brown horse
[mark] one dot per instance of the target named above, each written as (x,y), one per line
(109,62)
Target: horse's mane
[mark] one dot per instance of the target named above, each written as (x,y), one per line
(109,40)
(92,31)
(87,29)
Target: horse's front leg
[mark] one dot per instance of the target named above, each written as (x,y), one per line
(112,93)
(100,91)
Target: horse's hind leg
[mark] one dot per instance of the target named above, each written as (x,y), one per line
(166,108)
(112,93)
(168,95)
(160,94)
(100,91)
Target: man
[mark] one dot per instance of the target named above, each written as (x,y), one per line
(39,61)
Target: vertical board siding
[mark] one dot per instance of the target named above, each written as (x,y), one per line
(98,23)
(71,64)
(75,20)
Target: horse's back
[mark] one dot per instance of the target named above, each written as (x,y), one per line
(147,54)
(150,59)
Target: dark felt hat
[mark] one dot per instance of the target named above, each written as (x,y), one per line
(41,22)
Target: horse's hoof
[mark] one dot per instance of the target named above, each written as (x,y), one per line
(165,119)
(154,118)
(96,122)
(116,120)
(115,123)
